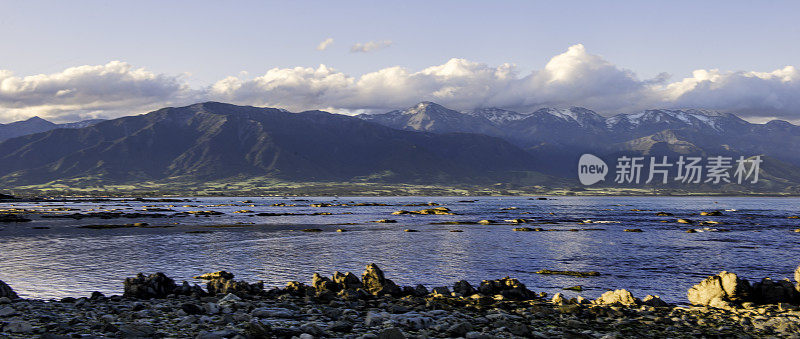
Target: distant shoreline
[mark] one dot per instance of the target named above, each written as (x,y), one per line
(31,196)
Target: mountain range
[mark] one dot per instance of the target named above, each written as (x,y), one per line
(38,125)
(213,140)
(557,137)
(423,144)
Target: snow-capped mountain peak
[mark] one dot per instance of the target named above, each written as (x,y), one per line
(582,116)
(699,118)
(496,115)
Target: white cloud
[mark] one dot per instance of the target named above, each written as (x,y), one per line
(109,90)
(370,46)
(752,94)
(573,78)
(324,44)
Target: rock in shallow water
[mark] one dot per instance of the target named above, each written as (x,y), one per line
(215,275)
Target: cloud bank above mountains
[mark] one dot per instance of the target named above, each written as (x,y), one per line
(573,78)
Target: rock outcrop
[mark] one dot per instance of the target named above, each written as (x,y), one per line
(296,288)
(726,290)
(507,287)
(215,275)
(6,291)
(276,314)
(347,281)
(375,283)
(324,284)
(797,277)
(436,210)
(156,285)
(186,289)
(222,283)
(622,297)
(725,286)
(655,301)
(769,291)
(463,288)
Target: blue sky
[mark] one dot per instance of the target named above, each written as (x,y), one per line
(192,45)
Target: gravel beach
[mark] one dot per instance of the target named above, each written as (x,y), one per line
(344,306)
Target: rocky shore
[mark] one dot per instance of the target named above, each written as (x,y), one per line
(373,306)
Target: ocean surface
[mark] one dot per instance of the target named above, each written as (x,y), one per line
(755,238)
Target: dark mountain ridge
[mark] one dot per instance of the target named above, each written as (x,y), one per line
(37,125)
(424,144)
(215,140)
(580,130)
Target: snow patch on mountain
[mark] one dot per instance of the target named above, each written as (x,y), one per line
(691,117)
(497,115)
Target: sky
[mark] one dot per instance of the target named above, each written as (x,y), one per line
(68,61)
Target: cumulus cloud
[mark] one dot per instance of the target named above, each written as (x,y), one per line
(324,44)
(751,94)
(370,46)
(572,78)
(109,90)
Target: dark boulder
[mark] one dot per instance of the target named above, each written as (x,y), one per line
(191,308)
(230,286)
(353,295)
(186,289)
(156,285)
(6,291)
(296,288)
(375,283)
(769,291)
(463,288)
(324,284)
(508,287)
(222,283)
(347,281)
(258,330)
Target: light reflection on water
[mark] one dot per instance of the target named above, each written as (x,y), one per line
(663,260)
